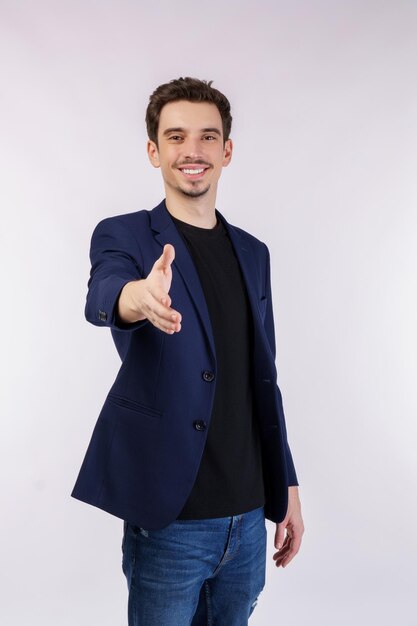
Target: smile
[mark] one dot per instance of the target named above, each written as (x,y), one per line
(192,171)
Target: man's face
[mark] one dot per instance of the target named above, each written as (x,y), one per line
(190,152)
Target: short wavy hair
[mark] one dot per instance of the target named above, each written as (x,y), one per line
(191,89)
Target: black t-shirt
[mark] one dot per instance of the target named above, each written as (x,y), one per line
(229,480)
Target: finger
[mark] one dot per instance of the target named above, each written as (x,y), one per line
(157,297)
(165,329)
(282,553)
(166,258)
(279,536)
(156,307)
(284,547)
(162,317)
(279,562)
(285,558)
(295,547)
(166,326)
(279,556)
(159,302)
(291,554)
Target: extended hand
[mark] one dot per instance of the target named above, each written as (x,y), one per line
(149,298)
(289,532)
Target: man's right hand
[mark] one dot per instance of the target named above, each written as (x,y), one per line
(149,298)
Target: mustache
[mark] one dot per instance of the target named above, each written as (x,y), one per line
(193,162)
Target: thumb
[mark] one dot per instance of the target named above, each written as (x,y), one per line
(166,258)
(279,536)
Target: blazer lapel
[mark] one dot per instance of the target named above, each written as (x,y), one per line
(251,279)
(247,266)
(166,232)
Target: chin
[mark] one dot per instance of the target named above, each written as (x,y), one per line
(195,193)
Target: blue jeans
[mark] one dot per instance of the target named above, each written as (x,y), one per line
(194,573)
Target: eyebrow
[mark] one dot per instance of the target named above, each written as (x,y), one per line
(182,130)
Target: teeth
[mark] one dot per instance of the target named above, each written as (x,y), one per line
(193,171)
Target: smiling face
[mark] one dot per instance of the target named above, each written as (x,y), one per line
(191,151)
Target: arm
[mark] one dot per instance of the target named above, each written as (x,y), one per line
(270,332)
(289,532)
(113,265)
(118,295)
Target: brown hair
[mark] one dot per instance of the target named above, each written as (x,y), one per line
(191,89)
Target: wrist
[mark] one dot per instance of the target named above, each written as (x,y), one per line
(128,308)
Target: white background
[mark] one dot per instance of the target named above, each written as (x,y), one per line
(324,99)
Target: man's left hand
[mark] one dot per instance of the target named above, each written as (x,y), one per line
(289,532)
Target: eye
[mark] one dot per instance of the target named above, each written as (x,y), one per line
(175,138)
(210,137)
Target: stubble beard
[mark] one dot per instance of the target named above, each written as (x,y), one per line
(194,193)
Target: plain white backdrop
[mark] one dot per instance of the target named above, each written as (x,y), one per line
(324,99)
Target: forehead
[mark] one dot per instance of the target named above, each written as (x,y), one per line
(191,116)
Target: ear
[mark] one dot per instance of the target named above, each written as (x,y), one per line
(227,152)
(153,153)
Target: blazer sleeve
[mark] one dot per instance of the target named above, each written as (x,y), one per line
(115,260)
(270,331)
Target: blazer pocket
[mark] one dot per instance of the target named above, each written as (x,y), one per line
(132,405)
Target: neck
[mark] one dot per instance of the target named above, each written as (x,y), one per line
(195,211)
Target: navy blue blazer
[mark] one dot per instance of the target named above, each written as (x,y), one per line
(146,447)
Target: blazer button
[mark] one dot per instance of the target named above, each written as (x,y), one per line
(208,376)
(200,425)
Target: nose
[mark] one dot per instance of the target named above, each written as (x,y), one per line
(192,148)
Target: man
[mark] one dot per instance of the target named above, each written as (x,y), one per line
(190,448)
